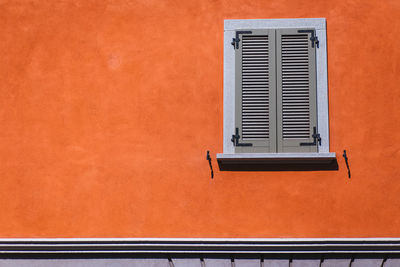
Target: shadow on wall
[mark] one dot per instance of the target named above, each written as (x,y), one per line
(326,166)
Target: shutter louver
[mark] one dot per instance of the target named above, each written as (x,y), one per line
(296,89)
(255,91)
(255,95)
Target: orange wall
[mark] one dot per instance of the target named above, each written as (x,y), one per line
(108,107)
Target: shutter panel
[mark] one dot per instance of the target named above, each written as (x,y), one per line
(256,92)
(296,91)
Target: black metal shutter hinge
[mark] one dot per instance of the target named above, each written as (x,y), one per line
(317,138)
(235,41)
(236,137)
(313,38)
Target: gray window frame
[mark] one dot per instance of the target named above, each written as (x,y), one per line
(230,27)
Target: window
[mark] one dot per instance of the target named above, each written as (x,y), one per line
(275,89)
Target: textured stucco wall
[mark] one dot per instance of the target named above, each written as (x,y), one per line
(107,109)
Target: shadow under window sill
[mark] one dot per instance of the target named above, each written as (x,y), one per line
(277,162)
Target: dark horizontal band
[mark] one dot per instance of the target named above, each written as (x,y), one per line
(200,246)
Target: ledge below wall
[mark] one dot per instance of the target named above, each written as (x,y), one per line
(200,252)
(199,246)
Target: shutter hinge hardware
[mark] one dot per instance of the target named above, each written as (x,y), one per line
(347,162)
(313,38)
(317,139)
(235,41)
(236,137)
(209,163)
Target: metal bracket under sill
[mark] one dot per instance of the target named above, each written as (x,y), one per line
(277,161)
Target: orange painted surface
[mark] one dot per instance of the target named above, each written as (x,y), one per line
(107,109)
